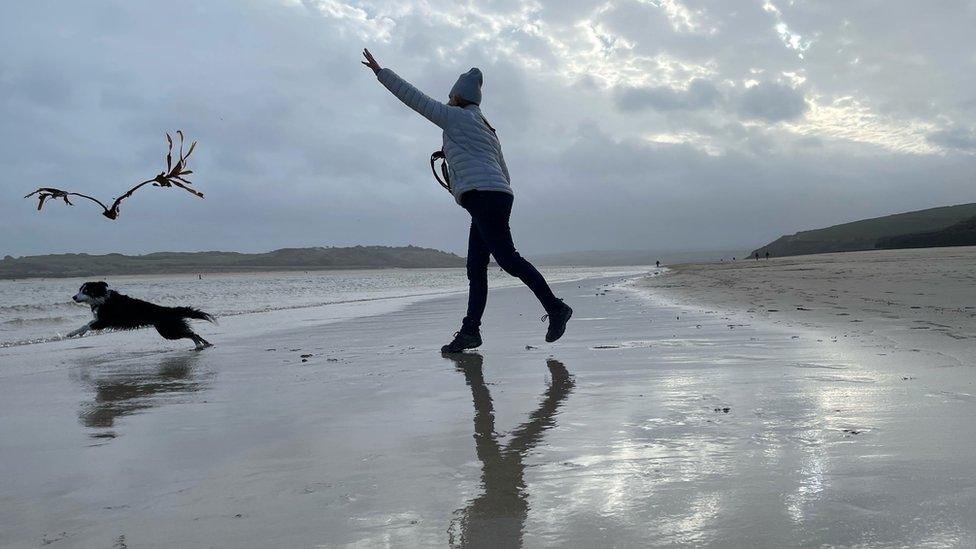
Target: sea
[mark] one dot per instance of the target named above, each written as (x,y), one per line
(39,310)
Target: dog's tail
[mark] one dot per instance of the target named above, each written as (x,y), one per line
(190,312)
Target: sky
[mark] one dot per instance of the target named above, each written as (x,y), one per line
(626,124)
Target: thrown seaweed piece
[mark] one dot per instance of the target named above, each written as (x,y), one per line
(175,175)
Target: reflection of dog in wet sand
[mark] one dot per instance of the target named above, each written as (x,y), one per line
(134,387)
(121,312)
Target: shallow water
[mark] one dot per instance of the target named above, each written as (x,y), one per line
(39,310)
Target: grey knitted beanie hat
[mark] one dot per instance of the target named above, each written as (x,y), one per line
(468,86)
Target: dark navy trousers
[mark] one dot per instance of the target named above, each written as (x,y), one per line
(491,236)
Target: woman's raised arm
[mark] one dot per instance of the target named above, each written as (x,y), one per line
(429,108)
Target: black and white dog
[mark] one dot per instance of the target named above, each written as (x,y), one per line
(114,310)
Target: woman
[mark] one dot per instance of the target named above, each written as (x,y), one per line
(481,185)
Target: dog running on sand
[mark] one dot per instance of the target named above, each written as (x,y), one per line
(121,312)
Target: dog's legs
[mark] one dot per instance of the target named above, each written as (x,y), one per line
(179,330)
(200,342)
(79,331)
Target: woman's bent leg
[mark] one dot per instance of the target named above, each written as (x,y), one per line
(490,212)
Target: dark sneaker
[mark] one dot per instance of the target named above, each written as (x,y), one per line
(461,342)
(557,322)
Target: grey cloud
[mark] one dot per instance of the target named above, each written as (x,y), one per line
(768,101)
(958,138)
(771,102)
(37,84)
(810,141)
(700,94)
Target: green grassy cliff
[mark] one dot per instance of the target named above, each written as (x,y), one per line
(869,234)
(960,234)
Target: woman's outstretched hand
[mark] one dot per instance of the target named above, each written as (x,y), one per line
(370,62)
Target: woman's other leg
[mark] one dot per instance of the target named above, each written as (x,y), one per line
(490,212)
(477,267)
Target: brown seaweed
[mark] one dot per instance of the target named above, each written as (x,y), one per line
(175,175)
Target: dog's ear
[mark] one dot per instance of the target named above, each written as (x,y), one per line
(98,289)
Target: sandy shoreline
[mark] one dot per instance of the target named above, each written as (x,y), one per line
(918,301)
(648,425)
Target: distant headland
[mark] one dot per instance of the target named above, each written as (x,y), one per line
(934,227)
(319,258)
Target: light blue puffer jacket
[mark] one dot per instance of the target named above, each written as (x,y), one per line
(474,155)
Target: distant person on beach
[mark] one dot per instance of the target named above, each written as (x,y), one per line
(480,183)
(657,263)
(767,255)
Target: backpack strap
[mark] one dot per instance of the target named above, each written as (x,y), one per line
(434,157)
(439,155)
(485,120)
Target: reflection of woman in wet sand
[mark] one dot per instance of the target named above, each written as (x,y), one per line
(496,518)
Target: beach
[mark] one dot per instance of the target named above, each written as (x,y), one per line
(687,408)
(894,302)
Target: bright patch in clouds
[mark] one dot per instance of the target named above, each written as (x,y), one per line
(354,18)
(682,19)
(846,118)
(790,39)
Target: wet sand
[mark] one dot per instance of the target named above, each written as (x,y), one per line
(648,425)
(892,301)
